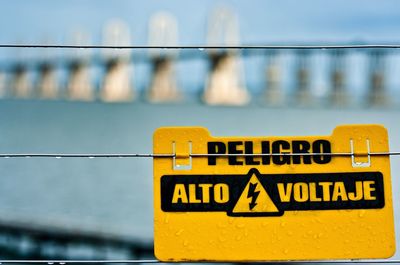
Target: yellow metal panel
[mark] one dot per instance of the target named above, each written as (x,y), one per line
(260,208)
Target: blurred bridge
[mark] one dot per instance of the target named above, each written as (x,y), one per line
(234,77)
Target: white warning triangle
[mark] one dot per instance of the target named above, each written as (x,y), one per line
(254,199)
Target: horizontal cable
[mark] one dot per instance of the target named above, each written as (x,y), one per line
(26,155)
(300,154)
(62,262)
(282,47)
(34,155)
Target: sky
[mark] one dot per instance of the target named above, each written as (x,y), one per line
(260,21)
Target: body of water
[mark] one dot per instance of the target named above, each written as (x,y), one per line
(114,195)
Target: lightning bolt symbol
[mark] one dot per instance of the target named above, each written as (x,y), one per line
(253,194)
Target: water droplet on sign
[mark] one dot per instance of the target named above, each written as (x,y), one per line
(221,225)
(179,232)
(240,225)
(362,213)
(222,239)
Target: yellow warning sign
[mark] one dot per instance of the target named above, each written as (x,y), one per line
(310,197)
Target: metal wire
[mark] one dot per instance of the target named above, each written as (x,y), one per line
(31,155)
(150,155)
(280,47)
(63,262)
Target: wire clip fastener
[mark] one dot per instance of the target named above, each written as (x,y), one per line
(355,163)
(181,157)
